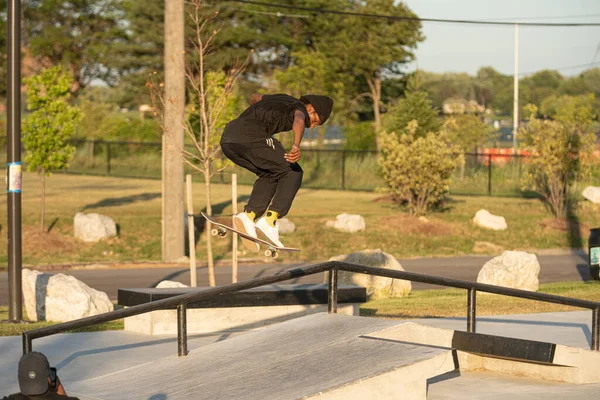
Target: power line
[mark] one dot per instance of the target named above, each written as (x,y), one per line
(538,18)
(400,18)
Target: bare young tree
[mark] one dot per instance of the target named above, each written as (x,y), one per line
(212,98)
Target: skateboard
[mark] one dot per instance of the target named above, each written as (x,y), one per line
(221,230)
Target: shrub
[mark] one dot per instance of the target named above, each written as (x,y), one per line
(562,149)
(417,170)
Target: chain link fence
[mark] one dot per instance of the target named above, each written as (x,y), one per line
(482,174)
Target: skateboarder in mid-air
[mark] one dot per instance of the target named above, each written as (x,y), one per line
(248,142)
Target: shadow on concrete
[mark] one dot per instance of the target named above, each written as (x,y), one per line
(576,240)
(41,288)
(119,201)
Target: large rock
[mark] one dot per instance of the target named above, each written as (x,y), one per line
(348,223)
(286,226)
(94,227)
(60,297)
(377,287)
(170,284)
(513,269)
(485,219)
(592,193)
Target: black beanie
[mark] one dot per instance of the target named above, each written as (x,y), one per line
(322,104)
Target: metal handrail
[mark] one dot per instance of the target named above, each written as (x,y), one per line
(181,301)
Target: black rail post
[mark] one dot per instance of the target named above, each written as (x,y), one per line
(332,291)
(26,343)
(471,310)
(489,174)
(343,172)
(13,153)
(595,328)
(182,330)
(108,158)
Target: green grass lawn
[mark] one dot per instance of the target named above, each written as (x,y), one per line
(419,304)
(7,329)
(135,205)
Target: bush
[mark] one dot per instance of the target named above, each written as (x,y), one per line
(562,150)
(417,170)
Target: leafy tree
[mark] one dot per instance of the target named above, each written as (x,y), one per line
(495,90)
(49,126)
(562,149)
(415,106)
(80,35)
(380,48)
(535,88)
(441,87)
(417,169)
(467,131)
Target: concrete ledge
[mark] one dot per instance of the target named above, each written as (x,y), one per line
(247,309)
(516,357)
(211,320)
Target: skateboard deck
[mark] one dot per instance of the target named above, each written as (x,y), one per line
(271,250)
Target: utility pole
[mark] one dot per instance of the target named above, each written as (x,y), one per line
(516,87)
(173,246)
(14,175)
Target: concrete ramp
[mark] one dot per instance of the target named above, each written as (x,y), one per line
(324,356)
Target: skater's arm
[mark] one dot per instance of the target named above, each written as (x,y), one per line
(255,98)
(298,129)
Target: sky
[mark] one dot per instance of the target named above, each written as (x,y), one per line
(466,48)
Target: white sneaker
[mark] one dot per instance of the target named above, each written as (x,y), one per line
(243,223)
(271,232)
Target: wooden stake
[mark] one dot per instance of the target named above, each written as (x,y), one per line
(234,237)
(191,234)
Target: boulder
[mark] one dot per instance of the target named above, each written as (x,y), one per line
(60,297)
(485,219)
(377,287)
(94,227)
(286,226)
(170,284)
(592,193)
(513,269)
(348,223)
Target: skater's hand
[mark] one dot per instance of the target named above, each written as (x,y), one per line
(294,155)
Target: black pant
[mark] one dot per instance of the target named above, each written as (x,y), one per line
(278,180)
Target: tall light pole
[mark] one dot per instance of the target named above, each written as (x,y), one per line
(173,246)
(516,89)
(14,175)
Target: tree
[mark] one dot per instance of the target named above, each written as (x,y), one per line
(311,73)
(49,126)
(496,89)
(79,35)
(417,169)
(415,106)
(535,88)
(467,131)
(213,97)
(562,151)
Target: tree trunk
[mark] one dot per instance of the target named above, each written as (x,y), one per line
(209,252)
(43,205)
(375,87)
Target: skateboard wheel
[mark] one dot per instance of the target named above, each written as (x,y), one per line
(222,232)
(275,254)
(268,253)
(214,232)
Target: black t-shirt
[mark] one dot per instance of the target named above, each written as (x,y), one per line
(46,396)
(272,114)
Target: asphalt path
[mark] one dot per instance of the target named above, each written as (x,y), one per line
(554,268)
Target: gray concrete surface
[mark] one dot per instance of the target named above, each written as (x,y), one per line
(81,356)
(558,267)
(492,386)
(287,361)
